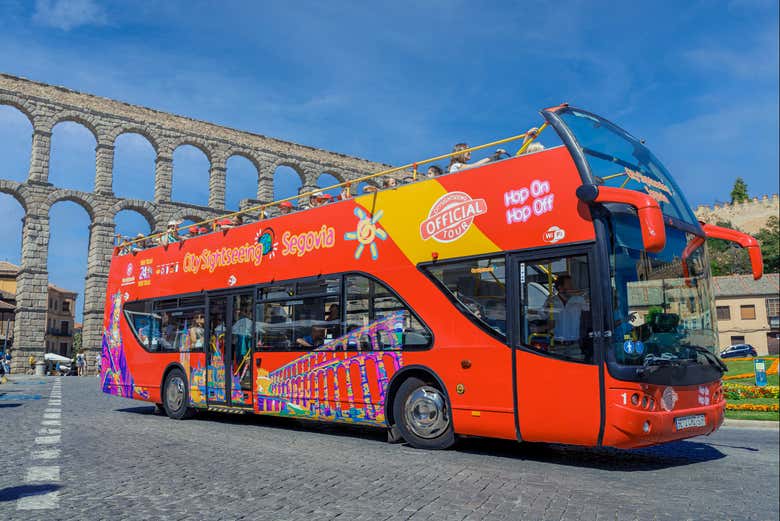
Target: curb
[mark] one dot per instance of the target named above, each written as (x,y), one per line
(750,424)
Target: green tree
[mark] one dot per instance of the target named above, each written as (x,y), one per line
(726,258)
(77,342)
(769,239)
(740,191)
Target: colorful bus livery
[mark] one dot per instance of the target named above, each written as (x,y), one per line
(557,296)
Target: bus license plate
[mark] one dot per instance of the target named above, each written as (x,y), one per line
(688,422)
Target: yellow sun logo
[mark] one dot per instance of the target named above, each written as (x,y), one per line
(366,233)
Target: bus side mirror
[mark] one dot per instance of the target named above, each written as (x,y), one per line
(651,219)
(746,241)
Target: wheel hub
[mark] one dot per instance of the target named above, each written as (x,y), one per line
(426,412)
(175,393)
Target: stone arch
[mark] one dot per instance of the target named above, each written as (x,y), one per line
(130,158)
(70,116)
(194,188)
(11,233)
(288,179)
(201,145)
(16,135)
(134,129)
(70,158)
(326,179)
(85,200)
(247,189)
(22,106)
(145,208)
(13,189)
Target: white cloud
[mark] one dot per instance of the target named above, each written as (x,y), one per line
(68,14)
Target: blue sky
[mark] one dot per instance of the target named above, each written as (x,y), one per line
(394,83)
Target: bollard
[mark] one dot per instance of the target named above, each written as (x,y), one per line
(40,368)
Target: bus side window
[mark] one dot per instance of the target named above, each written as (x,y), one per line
(143,323)
(556,309)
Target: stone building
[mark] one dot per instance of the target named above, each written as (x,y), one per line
(60,319)
(749,216)
(60,312)
(45,106)
(748,311)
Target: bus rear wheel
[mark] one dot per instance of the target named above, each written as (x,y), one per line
(422,414)
(176,396)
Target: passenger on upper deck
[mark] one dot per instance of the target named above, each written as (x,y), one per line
(171,234)
(285,207)
(433,171)
(389,182)
(315,199)
(533,147)
(460,161)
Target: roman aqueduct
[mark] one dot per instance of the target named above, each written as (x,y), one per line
(45,106)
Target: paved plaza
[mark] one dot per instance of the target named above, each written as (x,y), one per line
(70,452)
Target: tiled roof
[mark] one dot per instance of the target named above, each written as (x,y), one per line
(7,267)
(744,285)
(5,306)
(62,290)
(7,295)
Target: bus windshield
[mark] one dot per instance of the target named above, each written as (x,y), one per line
(618,159)
(662,301)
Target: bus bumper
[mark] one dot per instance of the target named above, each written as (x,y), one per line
(629,428)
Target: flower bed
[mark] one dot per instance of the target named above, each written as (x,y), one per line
(753,407)
(742,392)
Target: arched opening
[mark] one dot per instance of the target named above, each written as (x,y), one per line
(329,180)
(15,143)
(240,181)
(67,265)
(11,213)
(190,176)
(134,159)
(287,183)
(129,223)
(360,190)
(72,159)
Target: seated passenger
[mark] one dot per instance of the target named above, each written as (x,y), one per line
(460,161)
(433,171)
(567,305)
(171,234)
(389,182)
(533,147)
(315,199)
(285,207)
(316,339)
(326,199)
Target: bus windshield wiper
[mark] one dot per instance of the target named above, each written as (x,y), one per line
(664,359)
(711,358)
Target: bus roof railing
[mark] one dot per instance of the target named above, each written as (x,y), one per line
(346,184)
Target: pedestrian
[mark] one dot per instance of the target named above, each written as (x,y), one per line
(97,363)
(81,363)
(31,361)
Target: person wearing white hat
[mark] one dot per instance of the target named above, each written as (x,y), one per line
(171,234)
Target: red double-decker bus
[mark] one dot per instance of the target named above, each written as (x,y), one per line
(559,296)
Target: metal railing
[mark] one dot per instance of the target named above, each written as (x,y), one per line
(128,246)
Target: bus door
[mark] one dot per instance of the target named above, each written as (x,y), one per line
(231,340)
(555,349)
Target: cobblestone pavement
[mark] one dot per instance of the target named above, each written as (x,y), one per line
(116,459)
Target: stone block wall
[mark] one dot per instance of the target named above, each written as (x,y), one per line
(45,106)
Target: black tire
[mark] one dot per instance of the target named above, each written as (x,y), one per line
(422,413)
(176,396)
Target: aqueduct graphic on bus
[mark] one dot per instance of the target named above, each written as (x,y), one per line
(45,106)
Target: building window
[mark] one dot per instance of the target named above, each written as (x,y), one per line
(724,313)
(747,312)
(66,306)
(773,307)
(63,348)
(64,328)
(737,340)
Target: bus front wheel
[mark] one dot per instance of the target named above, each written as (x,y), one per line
(176,396)
(422,415)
